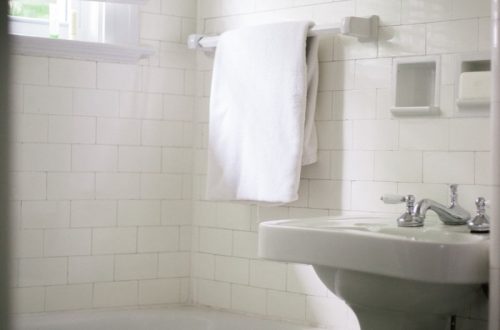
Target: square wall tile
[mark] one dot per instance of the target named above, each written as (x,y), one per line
(42,271)
(164,291)
(93,213)
(139,213)
(114,240)
(115,294)
(68,297)
(72,73)
(290,306)
(268,274)
(45,214)
(439,41)
(249,300)
(452,167)
(158,239)
(67,242)
(89,269)
(136,266)
(215,294)
(232,270)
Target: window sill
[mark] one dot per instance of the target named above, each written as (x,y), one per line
(75,49)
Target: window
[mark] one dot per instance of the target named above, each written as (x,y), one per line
(29,9)
(103,30)
(86,20)
(40,18)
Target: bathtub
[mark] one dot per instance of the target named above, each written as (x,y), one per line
(178,318)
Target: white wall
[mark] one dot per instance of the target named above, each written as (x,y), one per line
(102,173)
(364,150)
(110,162)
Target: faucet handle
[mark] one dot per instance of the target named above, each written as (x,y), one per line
(481,222)
(453,194)
(393,198)
(397,199)
(481,204)
(408,218)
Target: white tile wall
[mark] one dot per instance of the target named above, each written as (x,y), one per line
(364,150)
(114,294)
(102,165)
(110,160)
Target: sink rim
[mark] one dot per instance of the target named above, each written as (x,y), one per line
(379,226)
(463,262)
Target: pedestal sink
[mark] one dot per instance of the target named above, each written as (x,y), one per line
(392,277)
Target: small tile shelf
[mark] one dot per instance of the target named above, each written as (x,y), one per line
(75,49)
(415,87)
(473,84)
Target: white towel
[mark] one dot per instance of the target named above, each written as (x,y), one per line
(262,106)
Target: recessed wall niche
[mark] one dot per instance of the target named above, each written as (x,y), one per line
(415,86)
(473,84)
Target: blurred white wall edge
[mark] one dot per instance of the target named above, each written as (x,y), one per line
(4,161)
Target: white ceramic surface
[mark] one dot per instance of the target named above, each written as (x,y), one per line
(434,253)
(178,318)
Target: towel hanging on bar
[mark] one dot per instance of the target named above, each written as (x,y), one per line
(261,127)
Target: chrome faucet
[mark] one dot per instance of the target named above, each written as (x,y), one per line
(416,212)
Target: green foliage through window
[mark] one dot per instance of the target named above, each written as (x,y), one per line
(29,8)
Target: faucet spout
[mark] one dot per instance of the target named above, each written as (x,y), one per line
(453,215)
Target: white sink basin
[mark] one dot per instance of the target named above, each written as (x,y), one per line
(391,276)
(433,253)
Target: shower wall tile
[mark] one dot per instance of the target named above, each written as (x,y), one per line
(118,131)
(66,242)
(72,73)
(288,306)
(30,70)
(90,269)
(45,214)
(140,105)
(212,293)
(67,186)
(466,9)
(471,134)
(30,128)
(136,266)
(48,100)
(90,102)
(72,129)
(248,299)
(163,291)
(174,264)
(102,161)
(93,213)
(42,271)
(420,11)
(448,167)
(114,240)
(268,274)
(43,157)
(139,213)
(158,239)
(28,186)
(68,297)
(232,270)
(28,300)
(402,40)
(94,158)
(115,294)
(27,243)
(118,185)
(114,76)
(439,41)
